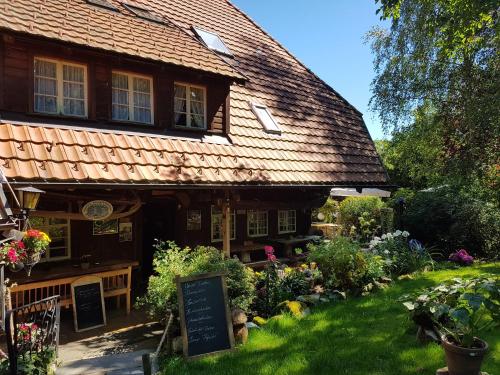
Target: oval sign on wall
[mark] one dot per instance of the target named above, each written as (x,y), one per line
(97,210)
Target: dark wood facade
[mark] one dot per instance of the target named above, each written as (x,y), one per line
(17,54)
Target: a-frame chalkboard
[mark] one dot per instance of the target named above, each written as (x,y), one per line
(206,323)
(88,303)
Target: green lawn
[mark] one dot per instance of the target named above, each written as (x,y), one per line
(366,335)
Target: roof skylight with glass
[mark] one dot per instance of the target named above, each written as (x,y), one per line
(143,12)
(266,119)
(212,40)
(102,3)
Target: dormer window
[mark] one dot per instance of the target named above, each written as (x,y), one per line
(60,87)
(212,41)
(266,119)
(132,98)
(189,106)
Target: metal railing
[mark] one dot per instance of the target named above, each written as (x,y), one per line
(32,329)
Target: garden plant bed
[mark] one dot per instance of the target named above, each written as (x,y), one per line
(371,334)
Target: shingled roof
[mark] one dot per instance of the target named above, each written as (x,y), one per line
(323,140)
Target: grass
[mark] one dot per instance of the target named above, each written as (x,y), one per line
(366,335)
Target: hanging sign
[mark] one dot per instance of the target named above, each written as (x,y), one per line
(97,210)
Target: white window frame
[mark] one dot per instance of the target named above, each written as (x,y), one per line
(286,217)
(130,77)
(212,223)
(46,228)
(188,87)
(60,86)
(255,108)
(267,223)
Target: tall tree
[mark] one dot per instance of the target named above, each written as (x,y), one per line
(439,60)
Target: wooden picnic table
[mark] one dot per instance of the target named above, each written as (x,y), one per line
(291,242)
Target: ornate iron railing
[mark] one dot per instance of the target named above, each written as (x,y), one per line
(32,329)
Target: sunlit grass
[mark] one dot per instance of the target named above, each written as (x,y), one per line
(366,335)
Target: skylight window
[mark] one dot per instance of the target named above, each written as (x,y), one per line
(103,4)
(212,41)
(144,13)
(266,119)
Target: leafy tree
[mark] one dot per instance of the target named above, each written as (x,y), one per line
(437,79)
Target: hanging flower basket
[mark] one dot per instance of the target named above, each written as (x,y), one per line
(35,242)
(12,255)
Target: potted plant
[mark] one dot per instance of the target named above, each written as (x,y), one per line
(12,254)
(460,311)
(85,261)
(35,243)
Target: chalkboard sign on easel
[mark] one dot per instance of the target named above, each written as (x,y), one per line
(205,316)
(88,303)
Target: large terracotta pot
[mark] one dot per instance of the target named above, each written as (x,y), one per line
(464,361)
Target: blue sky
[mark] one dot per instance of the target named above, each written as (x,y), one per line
(326,35)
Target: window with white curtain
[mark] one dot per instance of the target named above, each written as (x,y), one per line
(190,106)
(217,224)
(256,223)
(60,87)
(132,98)
(287,221)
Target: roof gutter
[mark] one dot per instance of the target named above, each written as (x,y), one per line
(164,186)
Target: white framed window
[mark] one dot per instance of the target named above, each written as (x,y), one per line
(266,119)
(190,106)
(59,231)
(257,223)
(132,98)
(60,87)
(216,225)
(287,221)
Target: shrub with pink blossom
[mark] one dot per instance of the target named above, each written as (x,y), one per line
(462,257)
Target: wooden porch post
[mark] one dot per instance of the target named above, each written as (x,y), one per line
(226,227)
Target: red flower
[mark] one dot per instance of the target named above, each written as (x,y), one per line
(12,255)
(33,233)
(269,250)
(272,257)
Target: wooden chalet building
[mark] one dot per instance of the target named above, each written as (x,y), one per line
(184,115)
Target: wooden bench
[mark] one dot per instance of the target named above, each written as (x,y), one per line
(244,251)
(116,283)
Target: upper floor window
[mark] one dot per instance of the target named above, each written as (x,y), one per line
(190,106)
(287,221)
(217,225)
(257,223)
(60,87)
(132,98)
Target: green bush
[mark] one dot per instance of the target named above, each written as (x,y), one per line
(451,218)
(360,216)
(330,210)
(170,260)
(344,265)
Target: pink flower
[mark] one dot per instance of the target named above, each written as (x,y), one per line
(12,255)
(272,257)
(269,250)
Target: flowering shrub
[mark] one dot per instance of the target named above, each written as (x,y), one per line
(278,283)
(462,257)
(12,252)
(27,333)
(35,241)
(400,255)
(344,265)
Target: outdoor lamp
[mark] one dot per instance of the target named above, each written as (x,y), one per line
(28,197)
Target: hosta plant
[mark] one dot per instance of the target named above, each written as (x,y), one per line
(459,310)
